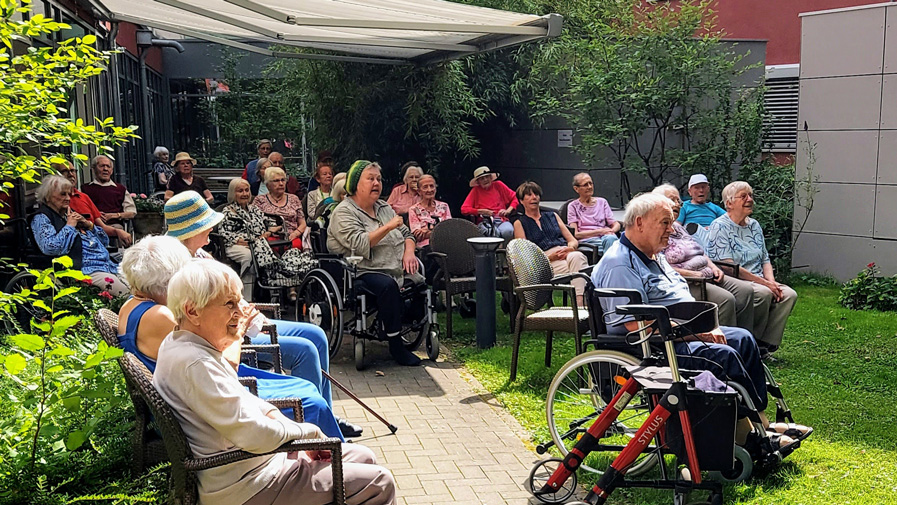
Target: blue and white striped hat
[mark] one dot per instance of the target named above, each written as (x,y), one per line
(188,215)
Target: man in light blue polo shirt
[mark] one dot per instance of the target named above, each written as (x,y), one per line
(699,209)
(635,262)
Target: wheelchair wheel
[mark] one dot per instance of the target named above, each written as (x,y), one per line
(539,476)
(20,322)
(432,342)
(320,304)
(413,335)
(576,396)
(359,354)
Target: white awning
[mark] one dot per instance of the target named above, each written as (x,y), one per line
(374,31)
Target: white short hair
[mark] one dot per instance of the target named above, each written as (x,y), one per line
(232,188)
(198,283)
(409,170)
(150,264)
(665,188)
(51,185)
(159,151)
(642,205)
(272,172)
(733,189)
(338,191)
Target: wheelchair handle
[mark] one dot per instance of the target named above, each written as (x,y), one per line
(658,313)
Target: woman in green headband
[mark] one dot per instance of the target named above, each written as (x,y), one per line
(365,226)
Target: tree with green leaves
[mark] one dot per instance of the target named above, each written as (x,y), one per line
(36,86)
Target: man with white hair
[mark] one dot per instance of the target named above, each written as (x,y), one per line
(699,209)
(113,199)
(264,148)
(217,414)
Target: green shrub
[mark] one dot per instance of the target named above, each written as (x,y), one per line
(868,291)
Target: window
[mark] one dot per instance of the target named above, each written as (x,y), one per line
(782,91)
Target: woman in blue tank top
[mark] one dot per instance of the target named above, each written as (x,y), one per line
(546,230)
(144,321)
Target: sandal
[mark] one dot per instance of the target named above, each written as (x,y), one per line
(775,440)
(797,432)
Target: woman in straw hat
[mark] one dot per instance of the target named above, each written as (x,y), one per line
(184,180)
(491,201)
(303,346)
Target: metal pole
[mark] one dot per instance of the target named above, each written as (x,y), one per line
(484,250)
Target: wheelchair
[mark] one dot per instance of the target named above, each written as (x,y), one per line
(329,296)
(602,412)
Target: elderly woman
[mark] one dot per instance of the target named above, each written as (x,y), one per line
(424,216)
(161,168)
(246,229)
(687,256)
(590,217)
(547,231)
(736,237)
(218,414)
(184,180)
(403,196)
(337,194)
(362,225)
(324,176)
(257,188)
(60,231)
(491,201)
(144,321)
(303,346)
(280,203)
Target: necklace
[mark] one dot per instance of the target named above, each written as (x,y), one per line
(276,201)
(142,298)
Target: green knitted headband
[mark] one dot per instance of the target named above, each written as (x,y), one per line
(354,175)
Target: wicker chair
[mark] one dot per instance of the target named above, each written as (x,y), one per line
(534,287)
(184,465)
(457,264)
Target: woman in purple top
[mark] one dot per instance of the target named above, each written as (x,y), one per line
(590,217)
(734,297)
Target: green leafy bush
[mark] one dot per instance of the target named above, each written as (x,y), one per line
(869,291)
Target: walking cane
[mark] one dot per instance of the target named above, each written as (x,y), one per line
(344,389)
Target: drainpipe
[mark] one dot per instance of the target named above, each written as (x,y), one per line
(145,40)
(116,98)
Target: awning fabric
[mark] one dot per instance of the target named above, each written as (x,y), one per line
(381,31)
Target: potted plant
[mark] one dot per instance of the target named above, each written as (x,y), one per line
(150,219)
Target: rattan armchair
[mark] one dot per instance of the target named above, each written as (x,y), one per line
(184,465)
(457,265)
(534,287)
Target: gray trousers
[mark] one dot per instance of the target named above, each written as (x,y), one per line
(243,255)
(308,482)
(770,317)
(735,300)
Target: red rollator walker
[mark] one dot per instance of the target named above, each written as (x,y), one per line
(695,426)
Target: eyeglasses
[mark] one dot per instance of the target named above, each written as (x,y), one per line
(585,184)
(744,196)
(278,180)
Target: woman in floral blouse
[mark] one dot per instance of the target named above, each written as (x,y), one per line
(280,203)
(424,216)
(246,230)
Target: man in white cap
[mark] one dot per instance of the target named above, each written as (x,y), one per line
(699,209)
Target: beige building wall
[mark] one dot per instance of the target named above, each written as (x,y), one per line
(848,114)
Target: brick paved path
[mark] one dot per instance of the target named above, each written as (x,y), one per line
(455,444)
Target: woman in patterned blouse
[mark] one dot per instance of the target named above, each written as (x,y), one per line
(423,217)
(280,203)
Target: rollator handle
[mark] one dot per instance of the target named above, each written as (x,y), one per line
(632,295)
(658,313)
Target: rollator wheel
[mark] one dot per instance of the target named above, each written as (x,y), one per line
(359,354)
(319,304)
(744,467)
(539,476)
(433,343)
(576,396)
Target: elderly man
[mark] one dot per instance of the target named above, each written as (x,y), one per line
(113,199)
(217,414)
(636,262)
(83,204)
(699,209)
(264,148)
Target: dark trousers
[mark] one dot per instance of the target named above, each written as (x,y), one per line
(739,361)
(385,295)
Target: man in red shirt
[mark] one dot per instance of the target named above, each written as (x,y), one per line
(82,204)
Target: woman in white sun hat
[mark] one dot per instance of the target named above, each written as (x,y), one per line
(491,201)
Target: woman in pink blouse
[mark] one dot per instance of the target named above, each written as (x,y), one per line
(403,196)
(423,217)
(590,217)
(280,203)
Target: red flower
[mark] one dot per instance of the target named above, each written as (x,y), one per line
(105,294)
(110,280)
(871,265)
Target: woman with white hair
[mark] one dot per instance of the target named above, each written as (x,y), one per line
(280,203)
(736,237)
(144,321)
(218,414)
(60,231)
(403,196)
(687,256)
(261,166)
(161,168)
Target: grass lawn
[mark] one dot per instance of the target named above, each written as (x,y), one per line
(837,368)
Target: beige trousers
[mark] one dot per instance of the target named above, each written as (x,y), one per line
(243,255)
(308,482)
(769,316)
(735,300)
(574,262)
(117,287)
